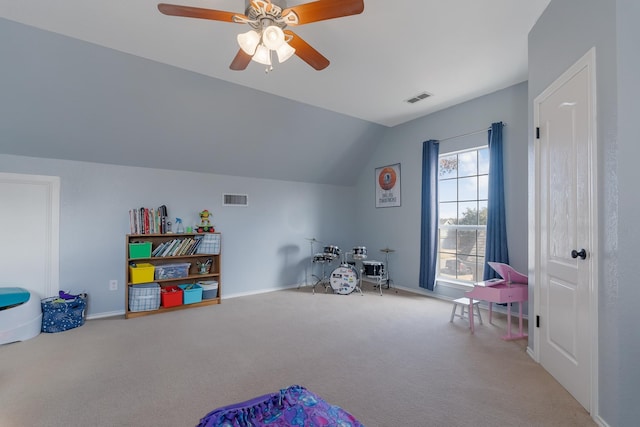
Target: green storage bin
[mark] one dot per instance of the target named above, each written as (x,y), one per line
(140,250)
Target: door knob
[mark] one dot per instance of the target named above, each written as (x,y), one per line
(582,254)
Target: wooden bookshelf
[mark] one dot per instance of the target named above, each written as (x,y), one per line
(182,257)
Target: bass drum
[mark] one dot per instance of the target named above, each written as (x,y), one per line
(344,279)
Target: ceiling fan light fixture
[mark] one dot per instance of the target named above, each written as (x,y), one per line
(273,37)
(262,55)
(249,41)
(284,52)
(268,19)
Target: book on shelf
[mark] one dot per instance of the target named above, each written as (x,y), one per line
(168,249)
(141,220)
(194,249)
(189,248)
(147,220)
(158,250)
(185,246)
(179,247)
(132,229)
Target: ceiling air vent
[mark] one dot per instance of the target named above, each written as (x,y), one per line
(235,200)
(418,97)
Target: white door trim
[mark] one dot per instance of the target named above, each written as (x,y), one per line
(588,61)
(51,185)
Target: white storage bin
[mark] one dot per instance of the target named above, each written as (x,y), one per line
(209,289)
(144,297)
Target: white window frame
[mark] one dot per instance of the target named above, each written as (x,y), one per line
(444,280)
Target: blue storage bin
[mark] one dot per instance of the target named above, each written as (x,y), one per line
(61,315)
(191,293)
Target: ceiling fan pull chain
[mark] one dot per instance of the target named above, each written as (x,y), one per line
(270,66)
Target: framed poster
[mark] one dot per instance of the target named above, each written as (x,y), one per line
(388,186)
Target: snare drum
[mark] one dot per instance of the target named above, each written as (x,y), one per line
(373,268)
(359,252)
(332,251)
(344,279)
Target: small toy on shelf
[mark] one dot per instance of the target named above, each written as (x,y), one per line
(205,223)
(204,267)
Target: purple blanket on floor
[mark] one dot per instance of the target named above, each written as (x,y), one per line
(292,406)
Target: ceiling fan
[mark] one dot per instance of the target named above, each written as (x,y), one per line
(268,21)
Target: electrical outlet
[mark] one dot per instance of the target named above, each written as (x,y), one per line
(113,285)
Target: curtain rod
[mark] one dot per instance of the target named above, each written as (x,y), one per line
(469,133)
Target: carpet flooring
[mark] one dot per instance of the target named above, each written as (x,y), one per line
(391,360)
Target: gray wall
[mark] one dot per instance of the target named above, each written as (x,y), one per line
(263,245)
(399,227)
(623,312)
(563,34)
(68,99)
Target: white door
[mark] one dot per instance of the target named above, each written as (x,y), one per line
(565,230)
(29,216)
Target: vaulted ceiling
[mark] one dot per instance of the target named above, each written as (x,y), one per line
(153,80)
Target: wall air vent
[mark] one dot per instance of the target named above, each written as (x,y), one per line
(235,200)
(418,97)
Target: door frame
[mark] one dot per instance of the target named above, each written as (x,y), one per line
(588,61)
(51,184)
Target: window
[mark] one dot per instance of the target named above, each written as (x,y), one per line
(463,179)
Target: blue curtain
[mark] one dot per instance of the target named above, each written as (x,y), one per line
(496,245)
(429,220)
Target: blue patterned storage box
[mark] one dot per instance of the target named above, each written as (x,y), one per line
(144,297)
(61,315)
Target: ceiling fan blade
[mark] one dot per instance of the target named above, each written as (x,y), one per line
(196,12)
(306,52)
(241,61)
(321,10)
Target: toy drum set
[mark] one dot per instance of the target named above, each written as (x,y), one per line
(343,280)
(346,278)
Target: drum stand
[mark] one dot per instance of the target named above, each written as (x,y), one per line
(358,285)
(359,272)
(379,280)
(387,274)
(384,278)
(323,280)
(309,276)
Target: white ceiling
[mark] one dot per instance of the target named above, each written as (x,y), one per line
(456,49)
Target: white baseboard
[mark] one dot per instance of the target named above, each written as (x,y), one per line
(532,354)
(105,314)
(262,291)
(421,291)
(600,421)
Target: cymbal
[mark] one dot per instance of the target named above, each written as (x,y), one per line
(387,250)
(312,239)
